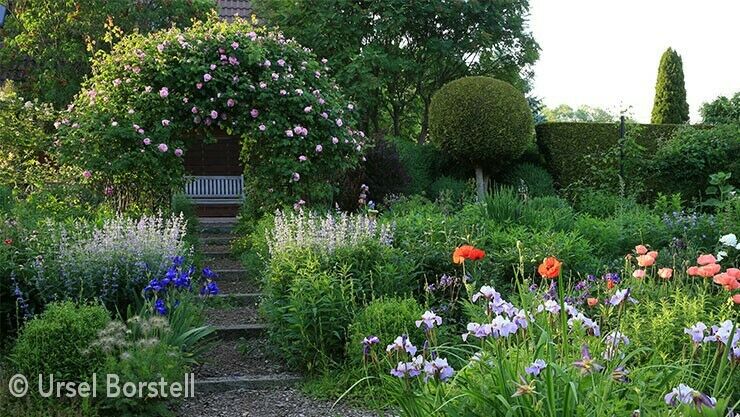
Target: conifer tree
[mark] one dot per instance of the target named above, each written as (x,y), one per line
(670,104)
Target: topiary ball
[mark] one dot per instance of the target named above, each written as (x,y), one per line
(481,121)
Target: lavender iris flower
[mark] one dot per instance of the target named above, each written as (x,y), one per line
(160,307)
(587,364)
(402,344)
(438,368)
(536,367)
(684,394)
(620,297)
(429,319)
(696,332)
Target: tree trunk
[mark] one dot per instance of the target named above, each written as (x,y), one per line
(424,122)
(480,183)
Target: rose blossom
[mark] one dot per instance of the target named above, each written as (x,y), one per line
(162,147)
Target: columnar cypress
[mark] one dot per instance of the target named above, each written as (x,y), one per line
(670,104)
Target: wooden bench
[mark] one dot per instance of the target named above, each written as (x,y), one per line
(215,190)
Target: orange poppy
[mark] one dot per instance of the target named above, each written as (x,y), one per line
(709,270)
(467,252)
(665,273)
(641,249)
(610,284)
(550,267)
(592,301)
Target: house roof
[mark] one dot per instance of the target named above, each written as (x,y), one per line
(227,9)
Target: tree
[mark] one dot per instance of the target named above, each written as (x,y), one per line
(392,55)
(565,113)
(60,37)
(721,110)
(670,105)
(483,122)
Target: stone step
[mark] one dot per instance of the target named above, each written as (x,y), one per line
(254,382)
(217,239)
(235,331)
(230,274)
(216,253)
(243,299)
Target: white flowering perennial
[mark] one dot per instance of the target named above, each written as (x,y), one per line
(328,232)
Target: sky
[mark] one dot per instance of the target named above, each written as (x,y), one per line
(605,53)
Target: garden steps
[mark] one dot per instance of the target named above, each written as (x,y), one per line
(239,299)
(252,382)
(235,331)
(216,225)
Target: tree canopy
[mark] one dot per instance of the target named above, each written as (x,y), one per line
(60,37)
(566,113)
(392,55)
(721,110)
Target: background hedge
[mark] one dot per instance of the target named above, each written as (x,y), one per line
(565,146)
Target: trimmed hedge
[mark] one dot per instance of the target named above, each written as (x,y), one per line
(566,145)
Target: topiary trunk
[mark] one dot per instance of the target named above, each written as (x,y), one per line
(480,183)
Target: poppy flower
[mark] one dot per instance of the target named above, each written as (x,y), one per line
(639,273)
(592,301)
(665,273)
(467,252)
(641,249)
(610,284)
(729,283)
(653,254)
(645,260)
(736,298)
(706,259)
(709,270)
(8,241)
(693,271)
(549,268)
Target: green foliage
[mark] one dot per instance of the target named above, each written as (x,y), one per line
(422,162)
(685,162)
(721,110)
(155,94)
(481,121)
(385,318)
(449,188)
(309,308)
(57,342)
(530,179)
(61,37)
(566,146)
(588,114)
(670,105)
(392,67)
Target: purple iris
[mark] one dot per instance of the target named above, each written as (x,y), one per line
(160,307)
(154,286)
(178,260)
(587,364)
(402,344)
(536,367)
(210,288)
(696,332)
(620,297)
(684,394)
(408,369)
(208,273)
(367,344)
(437,368)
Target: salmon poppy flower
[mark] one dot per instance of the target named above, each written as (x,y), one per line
(592,301)
(467,252)
(729,283)
(550,267)
(665,273)
(736,298)
(734,272)
(639,273)
(653,254)
(641,249)
(706,259)
(693,271)
(645,260)
(709,270)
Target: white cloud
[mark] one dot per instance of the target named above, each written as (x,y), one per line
(606,53)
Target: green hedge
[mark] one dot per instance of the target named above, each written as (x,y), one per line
(566,145)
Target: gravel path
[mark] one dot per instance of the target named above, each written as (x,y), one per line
(287,402)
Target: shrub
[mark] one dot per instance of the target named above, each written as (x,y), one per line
(384,318)
(721,110)
(153,95)
(451,188)
(423,163)
(685,162)
(382,172)
(535,180)
(309,309)
(57,342)
(481,121)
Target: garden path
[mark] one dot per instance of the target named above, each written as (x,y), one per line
(241,376)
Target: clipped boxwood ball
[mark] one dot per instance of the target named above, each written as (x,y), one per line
(482,121)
